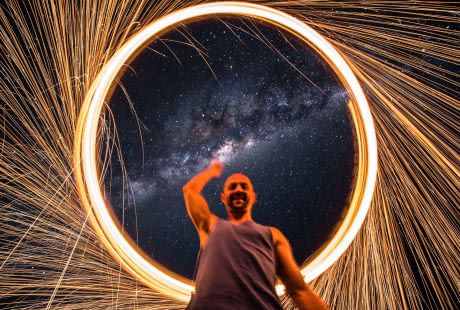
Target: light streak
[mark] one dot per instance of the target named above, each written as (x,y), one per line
(406,256)
(86,162)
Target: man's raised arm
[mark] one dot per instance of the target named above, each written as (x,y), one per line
(197,207)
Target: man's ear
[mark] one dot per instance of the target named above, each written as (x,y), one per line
(254,197)
(222,198)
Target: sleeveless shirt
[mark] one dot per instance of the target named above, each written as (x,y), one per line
(236,269)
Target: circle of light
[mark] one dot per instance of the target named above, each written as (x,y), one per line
(87,171)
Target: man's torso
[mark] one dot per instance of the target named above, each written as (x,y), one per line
(236,269)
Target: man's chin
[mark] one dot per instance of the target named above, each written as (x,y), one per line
(238,209)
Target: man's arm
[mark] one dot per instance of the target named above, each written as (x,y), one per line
(197,207)
(288,271)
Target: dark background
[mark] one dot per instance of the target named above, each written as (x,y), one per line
(239,99)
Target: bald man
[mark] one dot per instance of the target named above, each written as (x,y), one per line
(239,260)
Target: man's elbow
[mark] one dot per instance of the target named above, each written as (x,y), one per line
(297,291)
(186,188)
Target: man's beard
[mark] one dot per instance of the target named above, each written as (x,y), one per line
(244,200)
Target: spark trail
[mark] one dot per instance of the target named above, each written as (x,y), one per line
(407,59)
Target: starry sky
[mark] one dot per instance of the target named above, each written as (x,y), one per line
(249,94)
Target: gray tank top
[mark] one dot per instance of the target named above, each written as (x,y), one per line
(236,269)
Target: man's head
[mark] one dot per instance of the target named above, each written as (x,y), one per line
(238,194)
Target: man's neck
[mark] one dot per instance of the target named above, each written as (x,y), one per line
(238,218)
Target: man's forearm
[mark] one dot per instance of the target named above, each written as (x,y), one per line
(306,299)
(199,181)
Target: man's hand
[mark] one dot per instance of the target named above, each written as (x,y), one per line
(216,168)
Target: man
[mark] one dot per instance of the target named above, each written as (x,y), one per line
(239,259)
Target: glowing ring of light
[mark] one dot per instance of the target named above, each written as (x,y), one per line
(86,168)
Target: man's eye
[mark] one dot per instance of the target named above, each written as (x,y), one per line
(244,186)
(232,186)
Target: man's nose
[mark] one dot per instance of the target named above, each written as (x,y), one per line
(239,187)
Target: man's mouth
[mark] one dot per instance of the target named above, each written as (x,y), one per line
(238,198)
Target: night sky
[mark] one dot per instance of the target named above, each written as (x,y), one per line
(254,112)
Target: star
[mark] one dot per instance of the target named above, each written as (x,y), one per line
(259,116)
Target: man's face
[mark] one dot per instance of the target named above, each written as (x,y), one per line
(238,194)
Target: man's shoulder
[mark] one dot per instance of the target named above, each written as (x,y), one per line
(274,230)
(213,219)
(278,236)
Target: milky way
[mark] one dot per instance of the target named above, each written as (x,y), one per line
(253,111)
